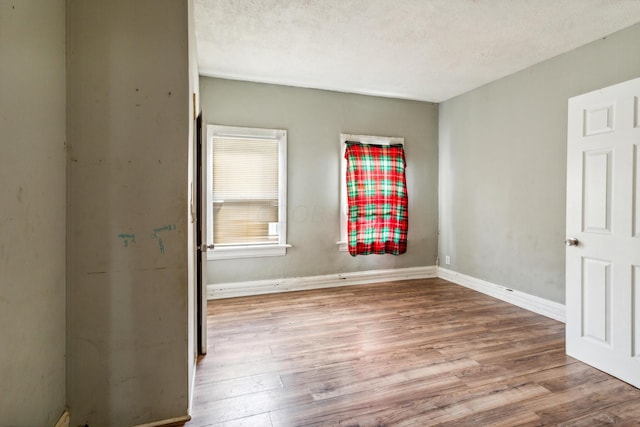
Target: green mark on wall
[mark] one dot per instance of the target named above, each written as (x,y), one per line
(157,230)
(126,238)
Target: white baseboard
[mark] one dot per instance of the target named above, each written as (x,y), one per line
(529,302)
(64,420)
(260,287)
(171,422)
(193,384)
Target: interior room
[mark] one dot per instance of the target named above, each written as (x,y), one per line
(110,293)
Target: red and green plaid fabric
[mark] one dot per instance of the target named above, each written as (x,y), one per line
(377,197)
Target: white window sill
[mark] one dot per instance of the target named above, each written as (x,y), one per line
(232,252)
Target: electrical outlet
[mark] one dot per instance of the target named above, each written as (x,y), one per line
(447,260)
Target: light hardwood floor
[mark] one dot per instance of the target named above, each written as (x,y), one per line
(409,353)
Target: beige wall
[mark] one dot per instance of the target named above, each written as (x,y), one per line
(314,120)
(194,89)
(32,212)
(503,166)
(128,131)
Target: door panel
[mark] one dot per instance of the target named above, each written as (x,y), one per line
(597,192)
(596,288)
(598,120)
(603,293)
(636,192)
(635,284)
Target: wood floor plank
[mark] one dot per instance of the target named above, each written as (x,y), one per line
(260,420)
(218,390)
(408,353)
(497,417)
(340,410)
(625,414)
(461,404)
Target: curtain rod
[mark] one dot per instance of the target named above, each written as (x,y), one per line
(383,143)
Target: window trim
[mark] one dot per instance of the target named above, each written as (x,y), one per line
(249,250)
(343,242)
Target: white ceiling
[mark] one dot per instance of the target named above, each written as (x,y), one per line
(429,50)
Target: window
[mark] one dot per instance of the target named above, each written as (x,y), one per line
(247,192)
(377,220)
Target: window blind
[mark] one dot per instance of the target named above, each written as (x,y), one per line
(245,190)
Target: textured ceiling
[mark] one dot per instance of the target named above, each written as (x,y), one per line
(428,50)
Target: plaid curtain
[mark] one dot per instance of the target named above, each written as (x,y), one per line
(377,198)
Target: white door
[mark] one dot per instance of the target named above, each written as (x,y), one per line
(201,233)
(603,230)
